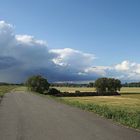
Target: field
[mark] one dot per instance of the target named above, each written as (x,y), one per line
(126,107)
(129,99)
(5,89)
(89,89)
(73,89)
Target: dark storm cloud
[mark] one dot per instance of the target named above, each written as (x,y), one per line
(7,62)
(24,55)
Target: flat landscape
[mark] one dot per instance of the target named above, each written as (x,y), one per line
(28,116)
(129,99)
(90,89)
(124,109)
(70,70)
(127,105)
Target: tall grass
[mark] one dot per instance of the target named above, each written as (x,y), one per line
(131,119)
(5,89)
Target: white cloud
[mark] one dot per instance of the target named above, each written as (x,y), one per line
(6,36)
(124,66)
(74,59)
(99,70)
(128,67)
(30,40)
(130,70)
(27,55)
(125,71)
(24,55)
(20,54)
(6,28)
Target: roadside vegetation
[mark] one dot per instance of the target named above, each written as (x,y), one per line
(37,84)
(124,109)
(6,88)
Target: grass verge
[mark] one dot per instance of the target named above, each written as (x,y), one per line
(5,89)
(131,119)
(124,109)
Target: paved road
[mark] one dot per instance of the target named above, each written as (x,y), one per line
(26,116)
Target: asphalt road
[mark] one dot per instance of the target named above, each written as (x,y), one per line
(26,116)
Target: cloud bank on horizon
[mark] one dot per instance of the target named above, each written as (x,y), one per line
(24,55)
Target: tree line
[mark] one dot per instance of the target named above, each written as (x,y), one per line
(133,84)
(102,85)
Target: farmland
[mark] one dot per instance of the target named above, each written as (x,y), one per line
(129,99)
(90,89)
(73,89)
(126,106)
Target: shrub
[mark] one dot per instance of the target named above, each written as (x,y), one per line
(37,83)
(53,91)
(77,91)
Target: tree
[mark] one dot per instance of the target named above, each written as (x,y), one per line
(37,83)
(104,85)
(118,85)
(101,85)
(91,84)
(113,85)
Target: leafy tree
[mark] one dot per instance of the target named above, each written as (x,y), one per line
(101,85)
(104,85)
(118,85)
(37,83)
(91,84)
(113,85)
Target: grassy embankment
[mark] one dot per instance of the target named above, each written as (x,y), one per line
(5,89)
(124,109)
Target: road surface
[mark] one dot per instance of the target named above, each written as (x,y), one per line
(26,116)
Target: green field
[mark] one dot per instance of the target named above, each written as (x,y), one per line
(5,89)
(129,99)
(126,107)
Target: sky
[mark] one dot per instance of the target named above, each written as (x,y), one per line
(69,40)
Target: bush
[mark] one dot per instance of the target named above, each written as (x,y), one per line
(38,84)
(77,91)
(53,91)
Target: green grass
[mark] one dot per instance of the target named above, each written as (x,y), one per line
(20,89)
(130,102)
(5,89)
(131,119)
(124,109)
